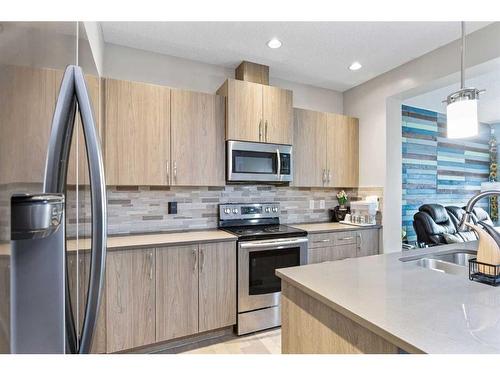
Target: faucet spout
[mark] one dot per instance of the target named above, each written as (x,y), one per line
(470,206)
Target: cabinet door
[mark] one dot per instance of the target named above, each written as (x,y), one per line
(217,285)
(130,299)
(343,150)
(137,133)
(176,292)
(244,111)
(197,124)
(309,148)
(277,115)
(28,98)
(368,242)
(331,253)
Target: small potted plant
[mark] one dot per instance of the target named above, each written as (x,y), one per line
(342,198)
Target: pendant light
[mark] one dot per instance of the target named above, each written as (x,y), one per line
(461,110)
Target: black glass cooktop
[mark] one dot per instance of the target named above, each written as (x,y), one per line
(261,232)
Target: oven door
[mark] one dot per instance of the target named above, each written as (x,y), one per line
(258,285)
(261,162)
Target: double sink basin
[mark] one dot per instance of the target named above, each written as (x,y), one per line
(453,262)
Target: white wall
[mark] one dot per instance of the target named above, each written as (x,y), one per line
(380,133)
(96,41)
(144,66)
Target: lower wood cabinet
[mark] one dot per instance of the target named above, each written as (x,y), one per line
(130,302)
(154,295)
(217,285)
(368,242)
(176,292)
(329,246)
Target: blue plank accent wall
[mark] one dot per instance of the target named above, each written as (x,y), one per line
(437,169)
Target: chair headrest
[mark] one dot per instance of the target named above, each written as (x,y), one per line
(455,211)
(436,211)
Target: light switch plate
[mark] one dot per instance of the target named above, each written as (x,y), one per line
(311,204)
(322,203)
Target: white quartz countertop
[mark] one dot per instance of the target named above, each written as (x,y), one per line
(417,309)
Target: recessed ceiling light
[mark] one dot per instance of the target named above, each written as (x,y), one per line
(274,43)
(355,66)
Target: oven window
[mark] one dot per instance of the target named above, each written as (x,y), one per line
(262,278)
(254,162)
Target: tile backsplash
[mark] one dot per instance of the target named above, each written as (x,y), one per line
(142,209)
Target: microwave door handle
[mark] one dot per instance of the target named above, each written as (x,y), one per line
(279,163)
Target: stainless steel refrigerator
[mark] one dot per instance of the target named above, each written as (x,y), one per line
(40,312)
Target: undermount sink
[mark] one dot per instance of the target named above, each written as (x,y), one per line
(440,266)
(452,262)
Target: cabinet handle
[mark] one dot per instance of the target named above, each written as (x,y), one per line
(346,238)
(168,172)
(175,171)
(260,130)
(360,240)
(329,175)
(202,260)
(151,266)
(266,132)
(195,257)
(324,175)
(319,241)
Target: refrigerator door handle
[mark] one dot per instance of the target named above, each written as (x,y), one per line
(73,90)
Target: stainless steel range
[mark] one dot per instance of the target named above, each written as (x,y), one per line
(263,246)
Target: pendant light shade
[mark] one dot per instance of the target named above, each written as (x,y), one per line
(461,114)
(462,106)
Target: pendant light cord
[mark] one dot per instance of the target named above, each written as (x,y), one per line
(462,62)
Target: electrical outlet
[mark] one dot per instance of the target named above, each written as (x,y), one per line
(322,203)
(172,208)
(311,204)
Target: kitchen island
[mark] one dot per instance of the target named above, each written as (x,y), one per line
(380,304)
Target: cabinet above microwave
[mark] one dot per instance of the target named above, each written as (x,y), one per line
(257,113)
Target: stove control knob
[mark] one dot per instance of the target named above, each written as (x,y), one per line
(268,209)
(235,211)
(227,210)
(275,209)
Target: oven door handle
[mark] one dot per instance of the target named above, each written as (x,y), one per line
(275,244)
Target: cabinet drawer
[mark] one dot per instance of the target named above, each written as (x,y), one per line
(321,240)
(345,238)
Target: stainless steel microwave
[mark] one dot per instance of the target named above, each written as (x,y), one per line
(258,162)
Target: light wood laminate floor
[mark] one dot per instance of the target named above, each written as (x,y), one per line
(266,342)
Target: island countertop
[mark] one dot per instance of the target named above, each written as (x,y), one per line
(417,309)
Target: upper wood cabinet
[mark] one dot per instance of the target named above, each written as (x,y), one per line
(309,148)
(343,150)
(28,98)
(197,123)
(277,115)
(257,113)
(176,292)
(217,295)
(137,133)
(130,299)
(326,151)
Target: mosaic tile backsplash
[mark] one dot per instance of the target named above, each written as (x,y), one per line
(145,209)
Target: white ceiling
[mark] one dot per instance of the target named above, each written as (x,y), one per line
(489,102)
(315,53)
